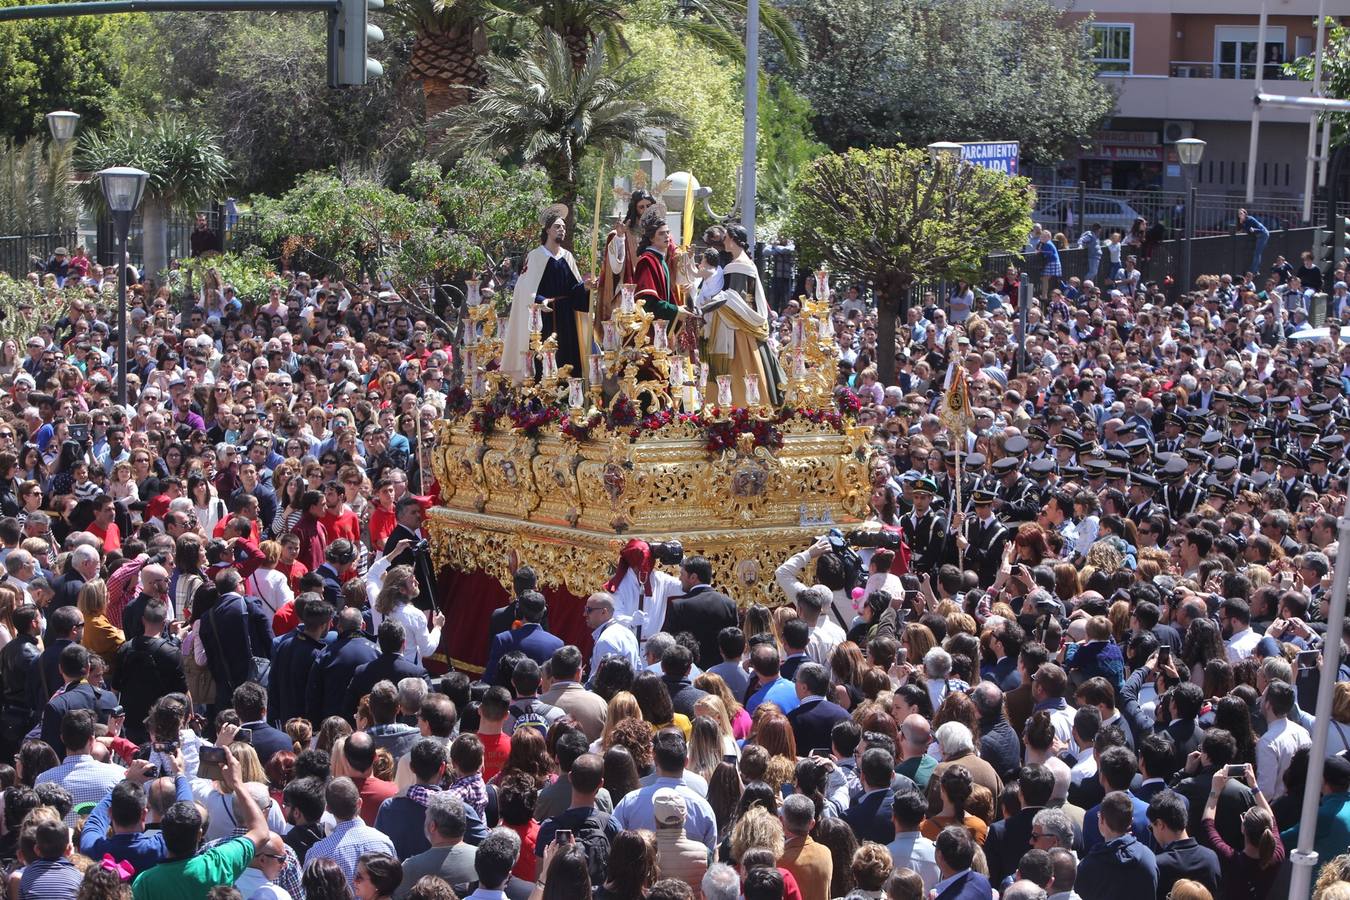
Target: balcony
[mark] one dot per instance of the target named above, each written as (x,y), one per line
(1202,91)
(1230,71)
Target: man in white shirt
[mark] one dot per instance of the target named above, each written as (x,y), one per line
(829,572)
(1235,621)
(258,880)
(642,604)
(1283,738)
(1087,722)
(825,633)
(612,637)
(910,849)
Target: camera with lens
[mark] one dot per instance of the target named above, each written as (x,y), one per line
(422,546)
(882,539)
(668,553)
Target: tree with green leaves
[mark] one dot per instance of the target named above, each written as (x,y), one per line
(51,64)
(542,110)
(892,216)
(1335,74)
(913,72)
(187,171)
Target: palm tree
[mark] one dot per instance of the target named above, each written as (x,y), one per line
(451,36)
(36,193)
(551,114)
(449,46)
(187,170)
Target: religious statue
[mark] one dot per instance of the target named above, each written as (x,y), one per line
(737,327)
(550,278)
(621,254)
(656,288)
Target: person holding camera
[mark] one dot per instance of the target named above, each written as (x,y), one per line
(416,551)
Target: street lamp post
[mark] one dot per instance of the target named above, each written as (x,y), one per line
(1190,151)
(62,124)
(940,150)
(122,188)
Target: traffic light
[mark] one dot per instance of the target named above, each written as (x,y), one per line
(1329,246)
(349,33)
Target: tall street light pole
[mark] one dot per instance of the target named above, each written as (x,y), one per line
(751,133)
(123,188)
(1190,151)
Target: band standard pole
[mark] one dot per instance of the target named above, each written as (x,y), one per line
(1304,858)
(751,132)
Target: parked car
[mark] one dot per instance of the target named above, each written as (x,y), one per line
(1112,213)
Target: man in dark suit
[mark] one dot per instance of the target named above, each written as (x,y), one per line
(336,667)
(955,854)
(676,664)
(1217,750)
(77,694)
(1156,762)
(870,817)
(294,655)
(1011,837)
(18,662)
(236,630)
(700,610)
(1006,641)
(82,566)
(530,638)
(338,558)
(44,676)
(523,580)
(796,638)
(250,701)
(816,715)
(1186,734)
(1180,856)
(999,745)
(388,666)
(1019,703)
(410,514)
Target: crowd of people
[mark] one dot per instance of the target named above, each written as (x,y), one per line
(1078,660)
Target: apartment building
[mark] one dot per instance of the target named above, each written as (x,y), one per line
(1184,68)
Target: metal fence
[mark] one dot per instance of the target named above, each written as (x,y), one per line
(19,254)
(1067,207)
(237,233)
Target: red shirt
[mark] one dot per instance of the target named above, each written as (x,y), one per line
(374,791)
(294,573)
(526,863)
(382,525)
(313,540)
(496,747)
(254,534)
(285,619)
(343,525)
(111,537)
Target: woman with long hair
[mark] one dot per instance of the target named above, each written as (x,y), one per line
(653,698)
(100,636)
(632,867)
(838,837)
(268,583)
(713,708)
(1248,871)
(621,252)
(565,873)
(34,758)
(847,663)
(1030,545)
(528,756)
(622,705)
(209,508)
(1202,643)
(1232,714)
(705,747)
(714,684)
(377,876)
(331,730)
(620,772)
(724,793)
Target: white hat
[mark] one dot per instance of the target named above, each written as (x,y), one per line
(668,807)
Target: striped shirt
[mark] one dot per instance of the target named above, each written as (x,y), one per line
(349,840)
(86,780)
(50,879)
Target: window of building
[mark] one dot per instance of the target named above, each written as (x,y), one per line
(1113,47)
